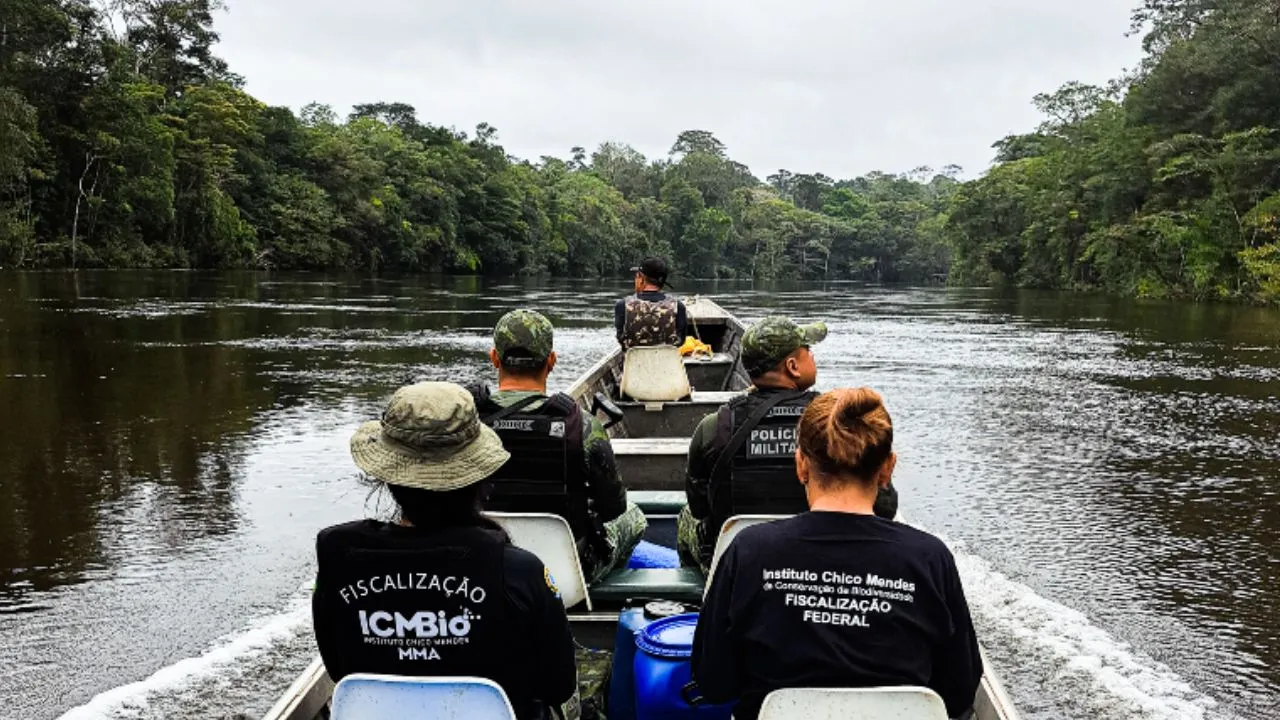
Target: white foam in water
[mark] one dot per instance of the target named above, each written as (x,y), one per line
(1079,659)
(1052,643)
(130,700)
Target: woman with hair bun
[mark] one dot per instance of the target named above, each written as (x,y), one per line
(837,597)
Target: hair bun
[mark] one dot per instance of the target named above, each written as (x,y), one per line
(847,431)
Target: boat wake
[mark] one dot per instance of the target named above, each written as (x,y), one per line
(195,686)
(1045,651)
(1051,653)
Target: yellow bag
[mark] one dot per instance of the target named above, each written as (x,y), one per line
(693,347)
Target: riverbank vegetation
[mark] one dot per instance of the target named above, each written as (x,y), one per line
(1163,183)
(128,143)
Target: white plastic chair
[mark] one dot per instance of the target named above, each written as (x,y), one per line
(654,374)
(728,532)
(548,536)
(379,697)
(880,703)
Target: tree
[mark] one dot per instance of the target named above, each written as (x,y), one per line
(697,141)
(19,143)
(396,114)
(625,168)
(171,40)
(125,142)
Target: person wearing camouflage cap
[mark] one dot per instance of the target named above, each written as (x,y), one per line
(742,457)
(561,458)
(439,590)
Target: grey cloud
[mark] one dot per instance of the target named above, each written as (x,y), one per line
(837,87)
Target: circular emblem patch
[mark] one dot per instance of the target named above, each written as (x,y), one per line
(551,582)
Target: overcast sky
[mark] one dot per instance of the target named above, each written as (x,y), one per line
(841,87)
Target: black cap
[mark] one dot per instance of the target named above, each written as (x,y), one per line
(654,268)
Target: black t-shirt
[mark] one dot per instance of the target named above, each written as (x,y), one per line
(620,313)
(828,599)
(453,601)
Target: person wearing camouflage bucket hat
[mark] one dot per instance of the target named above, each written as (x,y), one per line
(429,438)
(561,458)
(742,458)
(439,562)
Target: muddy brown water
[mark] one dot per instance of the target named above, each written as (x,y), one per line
(1107,471)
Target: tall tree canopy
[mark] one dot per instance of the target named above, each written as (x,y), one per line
(1165,183)
(126,142)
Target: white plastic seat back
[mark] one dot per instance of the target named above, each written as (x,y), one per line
(881,703)
(654,374)
(548,536)
(729,531)
(379,697)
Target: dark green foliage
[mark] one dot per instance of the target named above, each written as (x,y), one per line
(130,144)
(1164,184)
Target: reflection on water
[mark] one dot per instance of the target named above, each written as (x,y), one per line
(171,441)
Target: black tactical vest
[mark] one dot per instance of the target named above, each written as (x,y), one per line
(401,605)
(650,323)
(547,469)
(758,476)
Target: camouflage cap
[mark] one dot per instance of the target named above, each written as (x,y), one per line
(771,340)
(524,330)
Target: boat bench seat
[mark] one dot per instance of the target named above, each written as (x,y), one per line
(671,419)
(683,584)
(658,502)
(655,463)
(715,359)
(650,446)
(712,398)
(715,398)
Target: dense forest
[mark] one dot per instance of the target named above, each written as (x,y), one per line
(126,142)
(1165,182)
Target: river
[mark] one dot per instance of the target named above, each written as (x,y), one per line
(1107,471)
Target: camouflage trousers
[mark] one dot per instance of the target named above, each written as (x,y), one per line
(690,533)
(622,534)
(570,710)
(594,670)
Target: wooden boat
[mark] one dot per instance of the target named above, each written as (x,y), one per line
(650,441)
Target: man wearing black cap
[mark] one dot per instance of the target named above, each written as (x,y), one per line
(649,317)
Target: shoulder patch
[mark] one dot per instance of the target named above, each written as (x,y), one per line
(551,581)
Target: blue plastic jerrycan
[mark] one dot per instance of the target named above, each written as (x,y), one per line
(662,669)
(622,686)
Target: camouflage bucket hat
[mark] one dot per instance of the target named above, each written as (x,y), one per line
(431,438)
(771,340)
(527,331)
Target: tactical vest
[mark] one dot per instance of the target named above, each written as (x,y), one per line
(547,470)
(650,323)
(755,472)
(401,605)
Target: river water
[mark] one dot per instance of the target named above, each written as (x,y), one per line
(1106,470)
